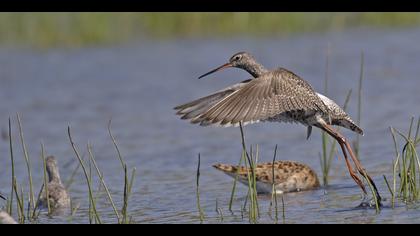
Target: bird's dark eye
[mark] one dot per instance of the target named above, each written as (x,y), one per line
(237,58)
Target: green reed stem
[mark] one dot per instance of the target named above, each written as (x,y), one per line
(252,210)
(94,197)
(38,200)
(389,188)
(232,195)
(19,204)
(115,144)
(417,131)
(254,164)
(127,185)
(14,188)
(394,166)
(131,183)
(127,193)
(252,185)
(125,203)
(359,102)
(273,188)
(91,197)
(22,206)
(410,164)
(325,139)
(200,211)
(101,178)
(28,166)
(283,209)
(13,185)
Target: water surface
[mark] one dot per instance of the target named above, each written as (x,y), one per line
(138,84)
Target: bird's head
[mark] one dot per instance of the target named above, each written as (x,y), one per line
(241,60)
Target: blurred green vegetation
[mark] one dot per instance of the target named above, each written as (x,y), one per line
(81,29)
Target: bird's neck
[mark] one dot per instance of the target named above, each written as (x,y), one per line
(53,174)
(256,69)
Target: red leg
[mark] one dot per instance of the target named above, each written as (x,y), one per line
(341,142)
(362,170)
(345,145)
(351,171)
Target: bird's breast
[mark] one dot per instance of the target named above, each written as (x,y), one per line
(305,117)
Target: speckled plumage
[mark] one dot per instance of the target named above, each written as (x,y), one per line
(289,176)
(58,196)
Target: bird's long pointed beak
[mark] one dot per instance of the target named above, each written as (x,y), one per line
(227,65)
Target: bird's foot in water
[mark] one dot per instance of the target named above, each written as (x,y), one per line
(369,202)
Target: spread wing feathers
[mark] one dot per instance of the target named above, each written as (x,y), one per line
(262,98)
(197,107)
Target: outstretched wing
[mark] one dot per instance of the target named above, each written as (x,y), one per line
(259,99)
(197,107)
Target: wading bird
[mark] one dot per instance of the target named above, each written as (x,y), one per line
(276,95)
(287,176)
(57,193)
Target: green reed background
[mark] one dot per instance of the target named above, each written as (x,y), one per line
(81,29)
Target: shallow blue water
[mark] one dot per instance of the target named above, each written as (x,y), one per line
(138,84)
